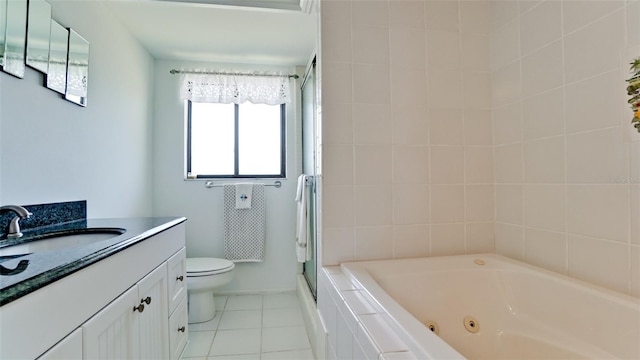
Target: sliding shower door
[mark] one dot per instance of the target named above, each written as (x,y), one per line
(309,167)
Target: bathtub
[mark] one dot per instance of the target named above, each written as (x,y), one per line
(492,307)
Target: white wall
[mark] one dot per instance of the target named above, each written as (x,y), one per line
(407,150)
(203,207)
(567,160)
(52,150)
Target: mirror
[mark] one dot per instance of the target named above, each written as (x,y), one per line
(3,26)
(38,31)
(57,70)
(15,37)
(77,69)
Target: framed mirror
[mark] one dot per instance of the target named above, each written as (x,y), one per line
(3,26)
(38,32)
(57,69)
(15,37)
(77,69)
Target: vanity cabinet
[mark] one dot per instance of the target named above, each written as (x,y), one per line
(90,314)
(178,318)
(69,348)
(133,326)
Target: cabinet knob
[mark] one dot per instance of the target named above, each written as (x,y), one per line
(182,329)
(139,308)
(146,300)
(180,278)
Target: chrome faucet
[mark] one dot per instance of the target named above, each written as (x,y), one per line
(14,226)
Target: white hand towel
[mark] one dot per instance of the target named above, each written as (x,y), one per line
(301,220)
(244,193)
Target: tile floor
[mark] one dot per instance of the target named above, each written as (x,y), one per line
(251,327)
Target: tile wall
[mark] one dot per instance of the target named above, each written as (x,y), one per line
(566,156)
(407,141)
(454,127)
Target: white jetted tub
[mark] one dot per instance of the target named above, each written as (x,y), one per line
(492,307)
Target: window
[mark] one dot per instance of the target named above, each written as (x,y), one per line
(235,141)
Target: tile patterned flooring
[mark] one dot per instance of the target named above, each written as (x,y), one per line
(251,327)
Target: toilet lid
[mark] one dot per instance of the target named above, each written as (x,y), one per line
(202,264)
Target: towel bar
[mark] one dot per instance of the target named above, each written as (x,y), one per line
(210,184)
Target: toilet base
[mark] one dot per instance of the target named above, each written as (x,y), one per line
(202,307)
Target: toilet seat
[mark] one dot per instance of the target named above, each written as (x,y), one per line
(208,266)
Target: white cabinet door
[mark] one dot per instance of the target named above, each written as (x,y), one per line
(178,330)
(154,323)
(69,348)
(177,279)
(113,333)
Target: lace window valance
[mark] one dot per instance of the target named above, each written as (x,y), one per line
(258,88)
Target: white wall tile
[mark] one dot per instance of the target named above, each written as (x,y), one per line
(370,12)
(545,207)
(532,34)
(410,241)
(606,35)
(544,160)
(505,45)
(337,124)
(600,211)
(443,15)
(447,239)
(546,249)
(447,203)
(635,214)
(408,85)
(410,125)
(577,14)
(338,245)
(597,156)
(410,204)
(601,262)
(408,46)
(543,114)
(479,203)
(372,164)
(336,42)
(480,238)
(444,88)
(410,164)
(371,83)
(506,84)
(339,165)
(446,126)
(372,123)
(502,12)
(447,164)
(510,240)
(475,17)
(478,165)
(507,123)
(370,44)
(478,127)
(338,206)
(475,50)
(443,49)
(337,76)
(373,243)
(406,14)
(509,203)
(542,69)
(591,104)
(635,271)
(477,89)
(508,163)
(373,205)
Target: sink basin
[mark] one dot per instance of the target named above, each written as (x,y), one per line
(61,239)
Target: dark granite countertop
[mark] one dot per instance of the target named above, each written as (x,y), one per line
(45,267)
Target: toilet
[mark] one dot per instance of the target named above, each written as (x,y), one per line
(203,276)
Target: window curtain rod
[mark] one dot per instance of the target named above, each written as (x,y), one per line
(174,71)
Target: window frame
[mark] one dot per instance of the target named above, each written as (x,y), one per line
(236,175)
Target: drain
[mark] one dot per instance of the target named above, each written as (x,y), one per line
(478,261)
(471,324)
(433,326)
